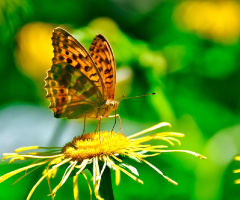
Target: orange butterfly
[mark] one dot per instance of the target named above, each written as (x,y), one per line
(81,84)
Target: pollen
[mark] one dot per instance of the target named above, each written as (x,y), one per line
(96,144)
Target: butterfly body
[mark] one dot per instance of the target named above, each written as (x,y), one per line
(104,110)
(81,84)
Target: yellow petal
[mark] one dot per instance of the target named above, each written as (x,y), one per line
(236,171)
(90,189)
(75,188)
(26,148)
(237,181)
(117,176)
(162,124)
(160,172)
(65,177)
(10,174)
(45,175)
(237,158)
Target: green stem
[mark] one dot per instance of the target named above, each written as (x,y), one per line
(106,190)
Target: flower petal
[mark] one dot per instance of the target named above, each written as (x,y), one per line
(10,174)
(75,187)
(162,124)
(45,175)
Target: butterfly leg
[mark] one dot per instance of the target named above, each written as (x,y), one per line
(84,123)
(99,124)
(100,128)
(96,127)
(115,120)
(120,123)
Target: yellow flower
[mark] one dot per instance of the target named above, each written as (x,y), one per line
(237,170)
(90,151)
(34,49)
(216,20)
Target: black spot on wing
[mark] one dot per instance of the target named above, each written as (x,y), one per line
(88,68)
(100,68)
(108,82)
(92,75)
(95,81)
(107,71)
(109,76)
(74,57)
(100,60)
(107,61)
(69,60)
(61,58)
(80,56)
(78,66)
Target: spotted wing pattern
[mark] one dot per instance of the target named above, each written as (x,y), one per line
(74,84)
(102,54)
(67,49)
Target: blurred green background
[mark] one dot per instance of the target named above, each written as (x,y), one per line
(188,52)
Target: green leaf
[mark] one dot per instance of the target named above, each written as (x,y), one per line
(106,190)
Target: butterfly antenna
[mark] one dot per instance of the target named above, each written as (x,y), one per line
(122,97)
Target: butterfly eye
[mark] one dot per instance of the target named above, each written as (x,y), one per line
(112,104)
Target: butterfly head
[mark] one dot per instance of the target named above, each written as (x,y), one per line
(113,105)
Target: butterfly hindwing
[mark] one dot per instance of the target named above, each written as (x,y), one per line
(102,54)
(70,92)
(68,50)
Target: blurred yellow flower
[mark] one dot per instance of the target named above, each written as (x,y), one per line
(218,20)
(34,53)
(237,170)
(106,149)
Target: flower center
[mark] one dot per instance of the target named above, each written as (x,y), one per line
(95,144)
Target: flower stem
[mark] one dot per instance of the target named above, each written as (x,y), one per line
(106,189)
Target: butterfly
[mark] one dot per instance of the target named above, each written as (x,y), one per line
(81,84)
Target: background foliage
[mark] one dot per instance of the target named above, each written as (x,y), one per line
(185,51)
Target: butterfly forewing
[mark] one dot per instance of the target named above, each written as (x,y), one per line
(71,93)
(68,50)
(102,54)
